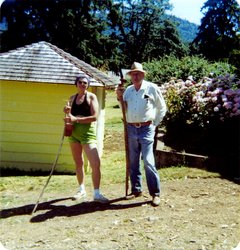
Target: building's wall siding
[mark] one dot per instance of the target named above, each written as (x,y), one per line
(32,126)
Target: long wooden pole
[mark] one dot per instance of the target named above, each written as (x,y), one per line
(125,135)
(66,132)
(50,175)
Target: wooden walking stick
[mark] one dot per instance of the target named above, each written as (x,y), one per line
(125,134)
(50,175)
(67,131)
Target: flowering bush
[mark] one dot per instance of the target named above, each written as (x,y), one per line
(203,103)
(203,115)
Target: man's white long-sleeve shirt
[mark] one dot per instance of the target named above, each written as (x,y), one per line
(146,104)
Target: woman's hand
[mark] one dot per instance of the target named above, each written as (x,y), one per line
(71,118)
(67,109)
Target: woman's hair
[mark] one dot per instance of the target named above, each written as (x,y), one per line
(82,77)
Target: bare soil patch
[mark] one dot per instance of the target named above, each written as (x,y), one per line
(194,214)
(114,141)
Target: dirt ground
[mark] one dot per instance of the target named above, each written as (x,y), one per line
(194,214)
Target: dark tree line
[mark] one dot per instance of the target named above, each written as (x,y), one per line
(103,33)
(110,33)
(75,26)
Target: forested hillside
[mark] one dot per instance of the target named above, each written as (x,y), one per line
(187,30)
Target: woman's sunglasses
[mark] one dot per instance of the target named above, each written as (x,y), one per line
(82,82)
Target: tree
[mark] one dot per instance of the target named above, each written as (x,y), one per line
(104,33)
(166,41)
(218,34)
(142,30)
(76,26)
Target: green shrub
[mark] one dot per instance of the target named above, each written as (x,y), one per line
(161,71)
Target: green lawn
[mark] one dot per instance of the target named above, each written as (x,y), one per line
(113,115)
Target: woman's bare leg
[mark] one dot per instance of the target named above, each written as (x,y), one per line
(76,149)
(94,160)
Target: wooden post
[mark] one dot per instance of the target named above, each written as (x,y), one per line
(125,135)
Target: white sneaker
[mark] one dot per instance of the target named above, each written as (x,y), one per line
(80,195)
(100,198)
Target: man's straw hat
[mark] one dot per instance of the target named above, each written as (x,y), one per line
(136,67)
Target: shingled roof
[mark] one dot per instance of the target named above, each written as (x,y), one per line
(46,63)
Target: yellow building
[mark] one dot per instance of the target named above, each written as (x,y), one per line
(36,80)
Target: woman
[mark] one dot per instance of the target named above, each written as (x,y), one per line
(83,112)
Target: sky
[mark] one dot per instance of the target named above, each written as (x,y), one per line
(189,9)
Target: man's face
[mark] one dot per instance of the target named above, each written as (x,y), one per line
(137,77)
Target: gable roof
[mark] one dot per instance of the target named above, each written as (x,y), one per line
(46,63)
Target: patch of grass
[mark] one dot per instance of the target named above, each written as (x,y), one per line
(113,113)
(114,170)
(183,172)
(33,183)
(113,167)
(114,125)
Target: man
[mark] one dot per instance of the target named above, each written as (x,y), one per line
(145,109)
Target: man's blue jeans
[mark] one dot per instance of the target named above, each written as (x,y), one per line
(140,143)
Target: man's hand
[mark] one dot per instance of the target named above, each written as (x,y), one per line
(119,92)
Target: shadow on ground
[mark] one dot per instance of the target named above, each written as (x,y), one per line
(54,210)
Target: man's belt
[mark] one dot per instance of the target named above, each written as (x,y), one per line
(140,124)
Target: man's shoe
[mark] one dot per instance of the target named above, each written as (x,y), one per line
(133,195)
(156,201)
(79,195)
(101,199)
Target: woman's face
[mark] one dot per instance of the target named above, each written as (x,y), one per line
(82,83)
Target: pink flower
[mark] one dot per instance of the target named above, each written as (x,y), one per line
(237,99)
(229,92)
(214,99)
(217,91)
(227,105)
(224,98)
(237,105)
(238,112)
